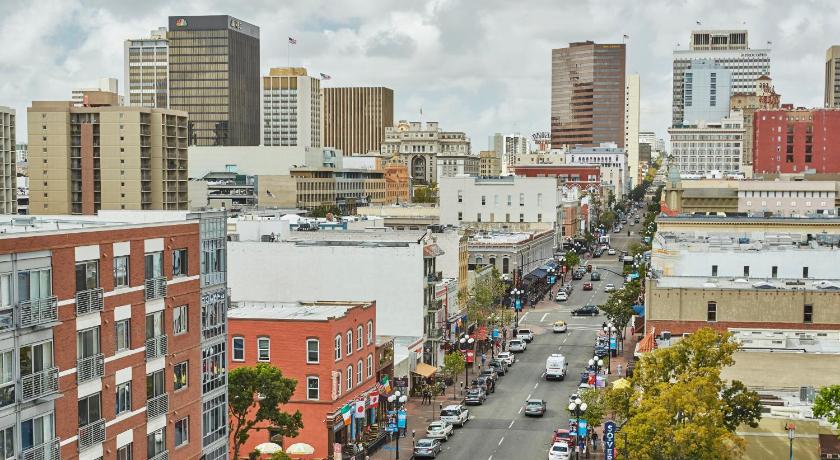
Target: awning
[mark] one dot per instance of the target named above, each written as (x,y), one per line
(425,370)
(539,273)
(528,279)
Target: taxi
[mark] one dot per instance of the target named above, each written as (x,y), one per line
(559,326)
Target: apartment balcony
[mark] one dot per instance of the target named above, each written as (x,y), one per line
(161,456)
(38,311)
(436,305)
(50,450)
(39,384)
(434,277)
(92,367)
(156,347)
(157,406)
(91,434)
(89,301)
(155,288)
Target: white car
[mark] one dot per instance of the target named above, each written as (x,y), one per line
(439,429)
(559,326)
(559,451)
(517,346)
(455,414)
(611,252)
(562,296)
(525,334)
(609,287)
(507,357)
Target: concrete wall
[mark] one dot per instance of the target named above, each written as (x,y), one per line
(283,191)
(821,263)
(252,160)
(539,196)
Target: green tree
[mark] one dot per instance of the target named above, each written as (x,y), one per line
(827,404)
(596,407)
(322,211)
(255,394)
(426,194)
(279,455)
(607,218)
(740,406)
(571,260)
(453,364)
(485,297)
(619,305)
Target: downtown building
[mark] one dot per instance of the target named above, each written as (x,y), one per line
(417,146)
(8,161)
(763,98)
(631,129)
(355,118)
(612,162)
(588,94)
(796,140)
(214,75)
(147,70)
(709,149)
(832,77)
(291,108)
(147,376)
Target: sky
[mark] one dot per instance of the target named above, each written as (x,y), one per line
(479,66)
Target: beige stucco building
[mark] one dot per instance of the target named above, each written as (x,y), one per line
(489,163)
(84,159)
(417,145)
(8,175)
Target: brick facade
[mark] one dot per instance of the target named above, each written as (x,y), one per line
(793,140)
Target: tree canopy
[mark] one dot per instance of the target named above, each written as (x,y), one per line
(827,404)
(485,297)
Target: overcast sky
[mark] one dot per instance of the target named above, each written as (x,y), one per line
(479,66)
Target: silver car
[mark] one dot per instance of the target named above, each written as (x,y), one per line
(516,346)
(439,429)
(428,448)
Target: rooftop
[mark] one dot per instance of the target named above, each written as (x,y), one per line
(754,241)
(815,219)
(753,284)
(293,311)
(18,225)
(358,237)
(503,238)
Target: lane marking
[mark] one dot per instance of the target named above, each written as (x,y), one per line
(529,396)
(523,317)
(511,424)
(491,458)
(536,385)
(501,440)
(565,339)
(543,317)
(520,409)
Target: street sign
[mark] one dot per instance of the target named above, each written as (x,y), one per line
(612,343)
(518,305)
(401,416)
(470,356)
(496,333)
(609,440)
(582,428)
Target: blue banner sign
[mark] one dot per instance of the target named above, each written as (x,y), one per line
(609,440)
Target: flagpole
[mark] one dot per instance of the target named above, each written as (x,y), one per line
(288,54)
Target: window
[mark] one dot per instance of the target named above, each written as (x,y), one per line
(180,265)
(124,452)
(154,265)
(349,343)
(714,270)
(36,357)
(213,367)
(746,271)
(369,332)
(370,366)
(87,343)
(711,311)
(483,200)
(312,388)
(123,398)
(338,347)
(808,314)
(214,421)
(338,382)
(505,265)
(155,443)
(89,409)
(522,218)
(460,196)
(121,271)
(37,430)
(774,272)
(182,431)
(180,375)
(359,371)
(460,216)
(478,217)
(521,199)
(349,377)
(312,351)
(7,379)
(360,337)
(804,272)
(7,443)
(87,275)
(238,345)
(154,325)
(263,349)
(179,320)
(155,385)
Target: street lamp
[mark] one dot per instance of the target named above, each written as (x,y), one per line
(610,330)
(577,407)
(398,399)
(516,300)
(597,363)
(468,341)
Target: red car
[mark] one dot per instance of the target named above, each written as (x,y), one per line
(587,286)
(561,435)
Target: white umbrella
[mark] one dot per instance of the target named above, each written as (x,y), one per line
(300,448)
(268,448)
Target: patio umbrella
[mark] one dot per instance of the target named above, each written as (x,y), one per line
(300,448)
(621,384)
(268,448)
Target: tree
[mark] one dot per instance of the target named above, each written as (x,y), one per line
(453,365)
(595,406)
(255,394)
(827,404)
(607,218)
(426,194)
(571,260)
(619,306)
(485,297)
(322,211)
(740,406)
(279,455)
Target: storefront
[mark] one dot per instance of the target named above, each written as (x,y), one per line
(355,428)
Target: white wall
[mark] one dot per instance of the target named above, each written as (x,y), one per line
(495,192)
(392,276)
(448,262)
(821,263)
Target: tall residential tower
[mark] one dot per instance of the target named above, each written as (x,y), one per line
(832,77)
(631,128)
(291,108)
(147,71)
(8,154)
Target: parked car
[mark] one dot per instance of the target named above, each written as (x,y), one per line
(490,373)
(486,383)
(597,253)
(426,448)
(560,451)
(498,366)
(507,357)
(609,287)
(475,396)
(595,276)
(562,296)
(611,252)
(576,275)
(525,333)
(587,286)
(439,429)
(517,346)
(569,288)
(535,407)
(559,326)
(616,230)
(586,310)
(455,414)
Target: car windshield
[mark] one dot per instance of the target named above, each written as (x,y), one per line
(435,426)
(560,448)
(472,391)
(535,403)
(424,443)
(515,342)
(448,413)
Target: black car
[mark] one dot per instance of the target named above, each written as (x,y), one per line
(587,310)
(597,253)
(576,275)
(498,366)
(486,383)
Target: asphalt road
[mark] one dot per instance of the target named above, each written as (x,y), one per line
(498,429)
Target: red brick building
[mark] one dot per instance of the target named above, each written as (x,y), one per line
(102,323)
(791,140)
(329,348)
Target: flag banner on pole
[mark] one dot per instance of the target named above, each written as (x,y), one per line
(374,398)
(292,41)
(325,76)
(345,414)
(360,409)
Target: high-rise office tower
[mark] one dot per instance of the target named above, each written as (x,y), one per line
(214,75)
(8,153)
(727,48)
(105,157)
(147,71)
(587,94)
(355,118)
(631,128)
(706,90)
(291,108)
(832,77)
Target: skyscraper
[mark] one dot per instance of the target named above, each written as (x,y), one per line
(706,90)
(214,75)
(727,48)
(832,77)
(147,71)
(355,118)
(587,94)
(291,108)
(8,176)
(631,128)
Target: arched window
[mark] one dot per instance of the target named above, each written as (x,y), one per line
(338,347)
(349,343)
(370,366)
(370,332)
(359,371)
(360,337)
(349,377)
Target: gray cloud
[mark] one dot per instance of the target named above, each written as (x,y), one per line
(391,44)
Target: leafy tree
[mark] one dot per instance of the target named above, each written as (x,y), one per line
(279,455)
(607,218)
(740,406)
(827,404)
(426,194)
(485,298)
(255,394)
(453,364)
(619,306)
(571,260)
(595,406)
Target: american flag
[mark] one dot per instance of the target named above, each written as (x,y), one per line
(325,76)
(292,41)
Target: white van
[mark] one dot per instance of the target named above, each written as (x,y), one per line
(555,367)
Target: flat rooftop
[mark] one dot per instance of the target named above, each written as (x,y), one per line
(357,237)
(751,241)
(754,284)
(292,311)
(17,225)
(805,220)
(499,238)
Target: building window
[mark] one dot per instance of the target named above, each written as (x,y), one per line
(539,217)
(7,378)
(38,430)
(711,311)
(804,272)
(369,332)
(505,265)
(483,200)
(263,349)
(370,366)
(180,266)
(156,443)
(179,319)
(349,377)
(7,443)
(154,265)
(213,367)
(87,275)
(746,271)
(338,347)
(180,375)
(714,270)
(238,345)
(313,351)
(349,343)
(460,216)
(360,337)
(312,388)
(521,218)
(124,452)
(521,199)
(808,314)
(182,431)
(90,409)
(36,357)
(460,196)
(155,384)
(121,271)
(478,217)
(87,342)
(154,325)
(774,271)
(359,372)
(123,398)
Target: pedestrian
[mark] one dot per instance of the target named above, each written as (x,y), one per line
(619,369)
(594,441)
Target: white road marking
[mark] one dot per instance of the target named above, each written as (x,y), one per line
(529,396)
(543,317)
(501,440)
(520,409)
(536,385)
(565,339)
(511,424)
(490,458)
(523,317)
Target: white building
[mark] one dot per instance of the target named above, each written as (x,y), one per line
(612,162)
(417,145)
(106,84)
(456,165)
(291,108)
(514,145)
(709,148)
(146,74)
(262,160)
(631,128)
(509,252)
(728,48)
(706,90)
(787,198)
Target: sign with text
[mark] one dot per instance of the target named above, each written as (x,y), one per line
(609,440)
(470,356)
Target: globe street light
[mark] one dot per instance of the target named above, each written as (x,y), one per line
(610,330)
(466,342)
(398,400)
(597,363)
(516,299)
(577,407)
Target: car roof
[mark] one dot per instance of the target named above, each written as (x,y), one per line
(452,406)
(534,400)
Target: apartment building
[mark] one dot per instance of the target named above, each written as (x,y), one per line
(795,140)
(397,184)
(147,70)
(85,159)
(764,97)
(456,165)
(291,108)
(832,77)
(489,164)
(129,295)
(612,162)
(355,118)
(707,148)
(584,177)
(8,161)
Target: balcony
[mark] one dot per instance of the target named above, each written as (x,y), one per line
(161,456)
(92,367)
(157,406)
(89,301)
(50,450)
(38,311)
(156,347)
(434,277)
(155,288)
(91,434)
(39,384)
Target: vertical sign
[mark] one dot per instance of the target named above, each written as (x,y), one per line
(609,440)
